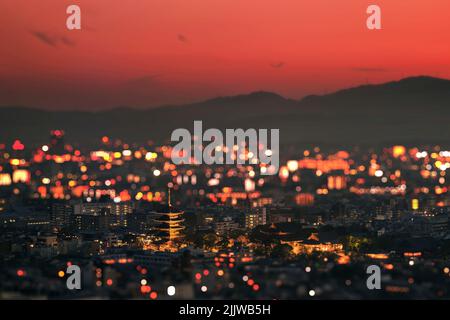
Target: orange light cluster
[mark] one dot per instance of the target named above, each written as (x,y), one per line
(324,165)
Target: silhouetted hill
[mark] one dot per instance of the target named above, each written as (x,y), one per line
(411,111)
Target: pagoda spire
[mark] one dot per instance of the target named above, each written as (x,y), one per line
(169,203)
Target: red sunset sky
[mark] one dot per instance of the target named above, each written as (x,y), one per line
(145,53)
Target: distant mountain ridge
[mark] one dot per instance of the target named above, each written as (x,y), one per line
(412,111)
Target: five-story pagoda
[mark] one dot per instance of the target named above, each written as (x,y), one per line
(169,223)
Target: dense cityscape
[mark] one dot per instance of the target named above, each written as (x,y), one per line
(141,227)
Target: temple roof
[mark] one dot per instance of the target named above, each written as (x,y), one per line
(294,232)
(167,209)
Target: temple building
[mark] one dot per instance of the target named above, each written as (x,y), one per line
(302,240)
(169,227)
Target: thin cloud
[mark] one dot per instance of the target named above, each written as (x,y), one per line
(68,42)
(368,69)
(45,38)
(143,82)
(52,40)
(182,38)
(277,65)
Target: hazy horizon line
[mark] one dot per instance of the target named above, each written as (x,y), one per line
(89,109)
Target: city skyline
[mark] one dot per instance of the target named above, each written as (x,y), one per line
(231,157)
(307,232)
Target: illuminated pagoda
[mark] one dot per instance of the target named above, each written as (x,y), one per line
(169,226)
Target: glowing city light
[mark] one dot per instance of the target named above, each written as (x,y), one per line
(171,291)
